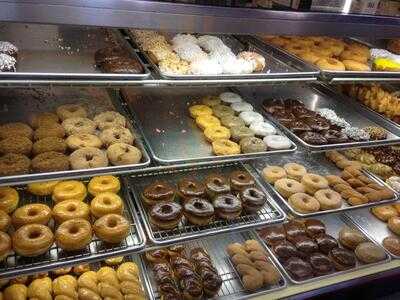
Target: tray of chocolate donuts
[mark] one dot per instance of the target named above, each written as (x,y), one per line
(191,203)
(311,249)
(59,223)
(312,185)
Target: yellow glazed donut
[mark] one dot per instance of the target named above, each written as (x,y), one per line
(213,133)
(314,182)
(35,213)
(106,203)
(5,221)
(111,228)
(225,147)
(74,234)
(336,47)
(69,189)
(5,245)
(322,52)
(205,121)
(353,65)
(32,240)
(358,48)
(273,173)
(70,209)
(44,188)
(105,183)
(17,291)
(199,110)
(9,199)
(287,187)
(295,171)
(331,64)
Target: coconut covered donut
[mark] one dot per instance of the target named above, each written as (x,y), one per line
(88,158)
(109,119)
(114,135)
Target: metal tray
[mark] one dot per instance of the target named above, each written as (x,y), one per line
(371,226)
(320,165)
(62,52)
(173,137)
(333,225)
(40,100)
(269,214)
(55,257)
(277,67)
(316,96)
(216,247)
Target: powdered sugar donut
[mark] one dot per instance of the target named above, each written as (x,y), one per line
(230,98)
(241,106)
(205,67)
(250,117)
(277,142)
(262,128)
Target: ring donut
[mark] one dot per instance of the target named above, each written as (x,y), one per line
(111,228)
(330,64)
(304,203)
(104,183)
(273,173)
(88,158)
(32,240)
(287,187)
(295,171)
(74,234)
(353,65)
(314,182)
(67,111)
(328,199)
(78,125)
(109,119)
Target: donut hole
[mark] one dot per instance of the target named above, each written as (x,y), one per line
(111,223)
(69,188)
(328,195)
(242,177)
(315,180)
(32,212)
(289,184)
(73,229)
(158,188)
(126,150)
(34,234)
(198,205)
(79,124)
(108,120)
(166,209)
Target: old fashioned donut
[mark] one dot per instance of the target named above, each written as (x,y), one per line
(48,144)
(353,65)
(114,135)
(5,221)
(32,240)
(205,121)
(70,209)
(277,142)
(227,207)
(104,183)
(166,215)
(198,211)
(35,213)
(43,119)
(43,188)
(9,199)
(54,130)
(79,125)
(5,245)
(198,110)
(111,228)
(304,203)
(123,154)
(109,119)
(314,182)
(295,171)
(330,64)
(225,147)
(328,199)
(213,133)
(67,111)
(73,234)
(16,145)
(15,129)
(50,162)
(106,203)
(69,189)
(273,173)
(287,187)
(14,164)
(81,140)
(88,158)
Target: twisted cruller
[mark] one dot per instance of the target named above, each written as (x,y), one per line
(87,286)
(65,288)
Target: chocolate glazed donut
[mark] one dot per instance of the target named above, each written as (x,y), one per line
(189,188)
(158,191)
(252,199)
(227,207)
(198,211)
(216,185)
(166,215)
(240,180)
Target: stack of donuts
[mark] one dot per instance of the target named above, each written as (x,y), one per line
(66,139)
(201,202)
(71,217)
(327,53)
(182,276)
(233,127)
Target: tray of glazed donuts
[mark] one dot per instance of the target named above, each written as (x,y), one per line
(202,269)
(325,246)
(312,185)
(191,203)
(52,223)
(50,133)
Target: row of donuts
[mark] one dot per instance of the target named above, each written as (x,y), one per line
(31,223)
(115,278)
(49,147)
(201,203)
(233,127)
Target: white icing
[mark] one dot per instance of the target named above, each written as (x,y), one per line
(250,116)
(332,117)
(277,142)
(241,106)
(375,53)
(7,63)
(230,98)
(356,133)
(262,128)
(205,67)
(183,39)
(7,47)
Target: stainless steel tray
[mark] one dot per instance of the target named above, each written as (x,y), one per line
(216,247)
(333,225)
(316,96)
(55,257)
(371,226)
(319,164)
(277,67)
(62,52)
(31,101)
(269,214)
(170,132)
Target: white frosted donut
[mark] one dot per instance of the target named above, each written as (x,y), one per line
(394,183)
(277,142)
(262,128)
(241,106)
(78,125)
(250,117)
(109,119)
(230,98)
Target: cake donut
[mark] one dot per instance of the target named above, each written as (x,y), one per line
(252,199)
(189,188)
(114,135)
(231,121)
(78,125)
(15,129)
(43,119)
(221,111)
(109,119)
(304,203)
(230,98)
(262,128)
(81,140)
(225,147)
(250,117)
(157,192)
(241,106)
(205,121)
(252,145)
(69,189)
(9,199)
(111,228)
(87,158)
(104,183)
(295,171)
(123,154)
(106,203)
(35,213)
(328,199)
(70,209)
(48,144)
(211,100)
(165,215)
(240,180)
(240,132)
(67,111)
(213,133)
(287,187)
(227,207)
(14,164)
(16,145)
(198,211)
(216,184)
(273,173)
(5,221)
(50,162)
(32,240)
(277,142)
(73,234)
(51,130)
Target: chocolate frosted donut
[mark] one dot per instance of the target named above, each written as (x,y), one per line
(314,227)
(240,180)
(305,245)
(271,105)
(198,211)
(291,103)
(342,259)
(216,185)
(321,264)
(285,250)
(335,136)
(317,124)
(293,229)
(272,234)
(313,138)
(189,188)
(165,215)
(325,243)
(158,191)
(252,199)
(299,127)
(298,268)
(227,207)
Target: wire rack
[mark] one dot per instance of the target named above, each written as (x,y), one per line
(55,257)
(270,213)
(216,247)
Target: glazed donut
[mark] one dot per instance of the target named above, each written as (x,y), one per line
(188,188)
(213,133)
(199,110)
(50,162)
(78,125)
(322,52)
(227,207)
(104,183)
(5,221)
(277,142)
(106,203)
(15,129)
(111,228)
(48,144)
(328,199)
(309,56)
(43,119)
(295,171)
(123,154)
(304,203)
(225,147)
(69,189)
(43,188)
(51,130)
(32,240)
(114,135)
(70,209)
(240,180)
(198,211)
(296,49)
(109,119)
(331,64)
(74,234)
(14,164)
(16,145)
(5,245)
(88,158)
(157,192)
(394,224)
(314,182)
(336,47)
(216,184)
(81,140)
(67,111)
(287,187)
(352,54)
(31,214)
(273,173)
(211,100)
(353,65)
(165,215)
(252,199)
(205,121)
(9,199)
(221,111)
(241,106)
